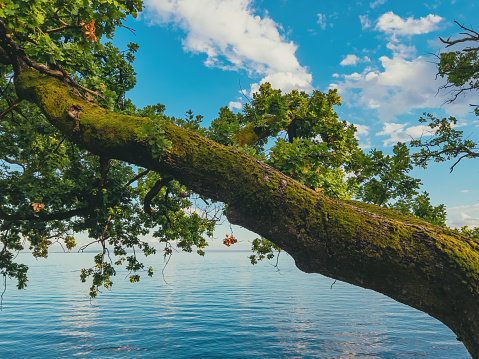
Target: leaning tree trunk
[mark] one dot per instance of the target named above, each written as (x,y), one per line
(418,264)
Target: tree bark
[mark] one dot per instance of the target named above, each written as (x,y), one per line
(426,267)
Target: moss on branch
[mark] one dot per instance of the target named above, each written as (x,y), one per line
(427,267)
(253,131)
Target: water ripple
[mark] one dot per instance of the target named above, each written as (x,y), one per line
(214,307)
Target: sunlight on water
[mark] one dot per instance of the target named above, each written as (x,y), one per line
(214,307)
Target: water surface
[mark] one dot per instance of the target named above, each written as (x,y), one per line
(218,306)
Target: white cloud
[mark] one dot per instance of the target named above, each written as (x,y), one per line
(353,60)
(394,130)
(394,25)
(361,130)
(463,216)
(402,51)
(400,87)
(361,134)
(464,191)
(377,3)
(398,133)
(349,60)
(233,37)
(401,84)
(322,21)
(354,76)
(365,22)
(371,76)
(235,104)
(286,81)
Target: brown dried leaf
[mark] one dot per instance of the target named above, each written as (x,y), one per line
(90,31)
(37,206)
(229,240)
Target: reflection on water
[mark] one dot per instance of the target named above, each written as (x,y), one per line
(214,307)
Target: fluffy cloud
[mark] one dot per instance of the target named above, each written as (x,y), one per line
(463,216)
(235,104)
(362,132)
(234,38)
(361,129)
(286,81)
(402,82)
(353,60)
(349,60)
(394,25)
(401,86)
(397,132)
(402,51)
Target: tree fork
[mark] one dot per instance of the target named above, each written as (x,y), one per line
(426,267)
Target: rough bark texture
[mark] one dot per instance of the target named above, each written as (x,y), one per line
(413,262)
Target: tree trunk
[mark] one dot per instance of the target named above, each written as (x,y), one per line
(418,264)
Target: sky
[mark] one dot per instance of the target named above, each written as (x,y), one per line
(380,55)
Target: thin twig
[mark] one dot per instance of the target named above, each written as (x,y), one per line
(129,28)
(4,290)
(459,160)
(137,177)
(242,92)
(11,108)
(82,248)
(65,27)
(163,270)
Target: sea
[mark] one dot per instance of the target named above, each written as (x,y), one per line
(216,306)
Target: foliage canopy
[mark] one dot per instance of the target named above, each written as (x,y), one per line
(52,189)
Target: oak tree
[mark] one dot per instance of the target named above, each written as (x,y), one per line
(77,155)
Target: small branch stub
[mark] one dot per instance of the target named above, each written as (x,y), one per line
(74,113)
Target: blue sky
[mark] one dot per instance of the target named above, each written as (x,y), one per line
(195,54)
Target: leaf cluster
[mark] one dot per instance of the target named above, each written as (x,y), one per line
(66,36)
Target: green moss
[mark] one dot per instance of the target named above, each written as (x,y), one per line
(255,131)
(463,251)
(246,136)
(389,213)
(99,126)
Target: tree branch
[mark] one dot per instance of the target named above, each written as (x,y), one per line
(255,131)
(459,160)
(15,53)
(427,267)
(11,108)
(44,217)
(153,192)
(471,36)
(137,177)
(64,27)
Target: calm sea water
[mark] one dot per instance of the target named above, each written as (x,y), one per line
(218,306)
